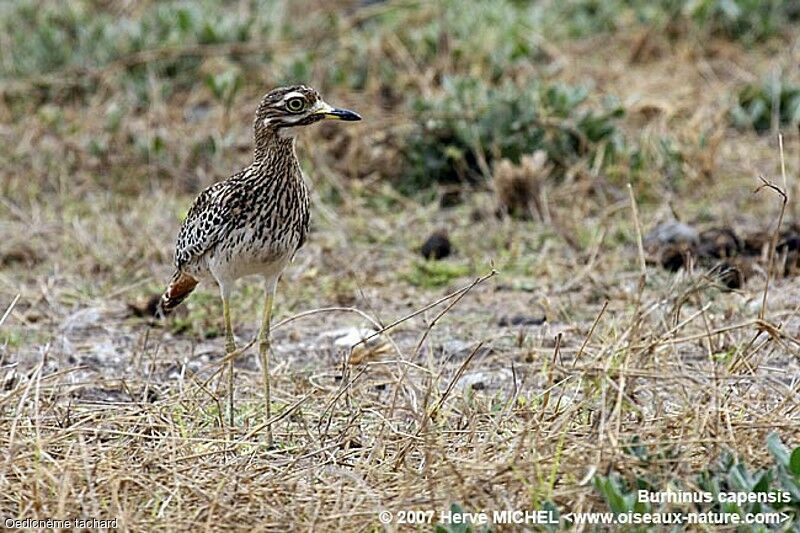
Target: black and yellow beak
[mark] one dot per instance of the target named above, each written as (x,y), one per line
(334,113)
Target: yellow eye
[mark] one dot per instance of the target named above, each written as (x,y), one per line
(296,104)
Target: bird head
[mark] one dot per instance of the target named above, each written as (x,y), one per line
(286,108)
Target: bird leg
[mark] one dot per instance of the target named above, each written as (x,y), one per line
(263,352)
(230,347)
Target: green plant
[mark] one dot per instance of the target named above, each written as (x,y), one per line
(435,274)
(472,124)
(732,475)
(742,20)
(586,17)
(224,86)
(619,497)
(46,35)
(757,106)
(727,475)
(747,20)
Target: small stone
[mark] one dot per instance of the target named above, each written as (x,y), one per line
(730,274)
(674,257)
(364,344)
(145,307)
(522,320)
(451,198)
(671,232)
(719,243)
(437,246)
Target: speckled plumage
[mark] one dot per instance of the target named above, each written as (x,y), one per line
(254,221)
(250,223)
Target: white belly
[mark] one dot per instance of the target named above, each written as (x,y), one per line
(246,264)
(245,252)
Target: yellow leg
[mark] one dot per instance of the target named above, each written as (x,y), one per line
(230,347)
(263,352)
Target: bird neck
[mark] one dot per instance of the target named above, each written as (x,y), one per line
(273,148)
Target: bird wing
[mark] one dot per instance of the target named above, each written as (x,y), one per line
(210,218)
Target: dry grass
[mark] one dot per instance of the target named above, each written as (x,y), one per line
(143,441)
(107,415)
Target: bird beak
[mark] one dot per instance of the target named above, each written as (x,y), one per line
(335,113)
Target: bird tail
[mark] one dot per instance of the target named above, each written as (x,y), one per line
(180,287)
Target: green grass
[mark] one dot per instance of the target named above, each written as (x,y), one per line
(433,274)
(759,106)
(473,124)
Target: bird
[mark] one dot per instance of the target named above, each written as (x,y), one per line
(253,222)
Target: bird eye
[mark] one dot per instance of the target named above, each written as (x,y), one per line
(295,105)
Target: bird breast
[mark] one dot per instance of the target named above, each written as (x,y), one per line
(251,250)
(266,241)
